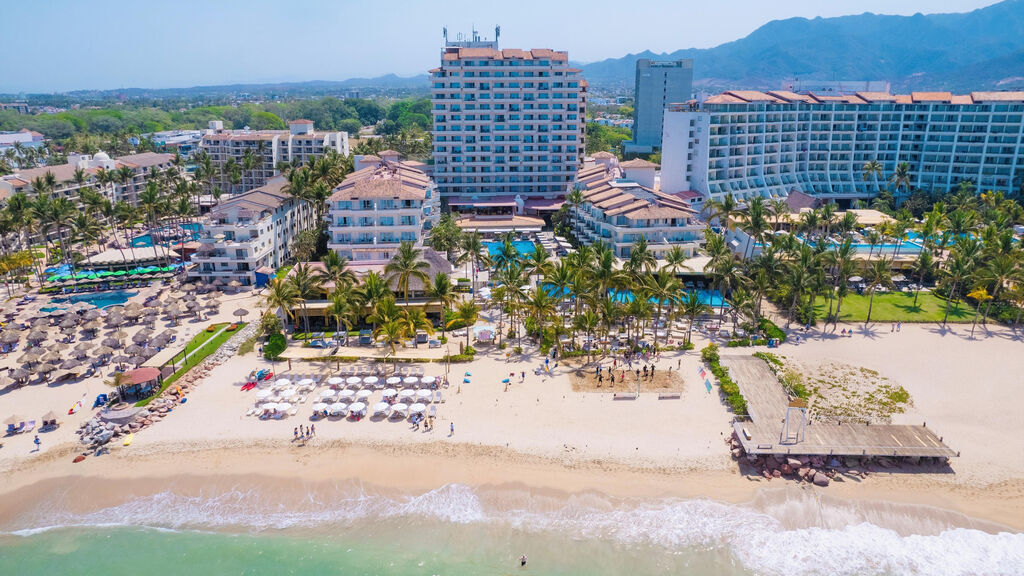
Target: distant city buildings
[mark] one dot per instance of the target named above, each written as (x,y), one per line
(657,85)
(621,205)
(507,124)
(750,143)
(66,182)
(19,107)
(184,142)
(379,206)
(256,153)
(248,236)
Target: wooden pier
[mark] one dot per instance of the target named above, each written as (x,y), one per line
(766,431)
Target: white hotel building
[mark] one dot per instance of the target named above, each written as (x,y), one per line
(249,234)
(767,143)
(507,123)
(376,208)
(620,205)
(297,144)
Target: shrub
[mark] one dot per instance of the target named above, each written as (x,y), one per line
(738,343)
(771,330)
(518,349)
(769,358)
(469,351)
(502,346)
(726,384)
(793,382)
(248,346)
(270,324)
(275,346)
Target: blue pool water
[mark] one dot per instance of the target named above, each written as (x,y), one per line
(524,247)
(100,300)
(146,240)
(707,297)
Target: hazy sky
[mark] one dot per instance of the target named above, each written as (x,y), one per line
(56,45)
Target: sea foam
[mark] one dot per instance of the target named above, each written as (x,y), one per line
(829,539)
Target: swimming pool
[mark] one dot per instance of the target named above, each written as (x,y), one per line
(146,240)
(99,300)
(524,247)
(707,297)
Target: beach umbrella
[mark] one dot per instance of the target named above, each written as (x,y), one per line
(41,323)
(214,294)
(82,346)
(69,322)
(152,303)
(371,380)
(51,356)
(133,350)
(381,408)
(393,381)
(212,303)
(344,394)
(30,357)
(417,408)
(115,319)
(119,334)
(406,394)
(44,368)
(335,381)
(111,343)
(234,284)
(264,394)
(92,314)
(80,353)
(36,336)
(14,420)
(270,406)
(115,309)
(137,360)
(428,379)
(282,383)
(142,336)
(357,408)
(92,325)
(69,364)
(856,279)
(10,337)
(58,312)
(364,394)
(288,393)
(189,287)
(241,313)
(218,282)
(400,408)
(320,407)
(353,380)
(306,383)
(409,380)
(20,374)
(133,313)
(103,351)
(120,359)
(390,393)
(69,331)
(423,394)
(338,408)
(152,312)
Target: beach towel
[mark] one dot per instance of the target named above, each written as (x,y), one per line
(75,407)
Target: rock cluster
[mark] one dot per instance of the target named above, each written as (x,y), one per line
(98,431)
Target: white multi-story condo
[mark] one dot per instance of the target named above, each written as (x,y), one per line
(80,171)
(379,206)
(257,153)
(507,123)
(620,205)
(767,143)
(246,237)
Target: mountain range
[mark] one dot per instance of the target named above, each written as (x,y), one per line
(977,50)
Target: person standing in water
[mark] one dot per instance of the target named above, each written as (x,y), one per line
(522,561)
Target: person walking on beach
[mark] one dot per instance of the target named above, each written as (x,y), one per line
(522,561)
(679,364)
(899,325)
(295,434)
(652,373)
(312,429)
(451,429)
(37,442)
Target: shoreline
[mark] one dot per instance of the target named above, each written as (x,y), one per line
(274,468)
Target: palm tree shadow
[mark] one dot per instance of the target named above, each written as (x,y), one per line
(867,331)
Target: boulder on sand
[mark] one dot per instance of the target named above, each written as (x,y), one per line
(786,469)
(78,459)
(793,463)
(803,472)
(821,479)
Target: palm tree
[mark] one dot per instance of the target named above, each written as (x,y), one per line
(1002,270)
(283,295)
(664,289)
(724,210)
(922,267)
(981,296)
(441,291)
(675,259)
(405,265)
(466,314)
(872,170)
(900,178)
(373,290)
(392,332)
(337,272)
(692,307)
(538,262)
(755,225)
(416,321)
(588,323)
(308,283)
(958,270)
(878,273)
(641,259)
(342,309)
(779,209)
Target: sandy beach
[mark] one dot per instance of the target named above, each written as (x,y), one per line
(543,435)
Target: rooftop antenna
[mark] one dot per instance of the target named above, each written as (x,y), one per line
(445,32)
(497,33)
(476,37)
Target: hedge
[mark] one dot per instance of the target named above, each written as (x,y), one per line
(771,330)
(731,390)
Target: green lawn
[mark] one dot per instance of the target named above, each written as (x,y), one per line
(193,360)
(282,272)
(897,307)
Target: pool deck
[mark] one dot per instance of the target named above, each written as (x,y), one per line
(765,432)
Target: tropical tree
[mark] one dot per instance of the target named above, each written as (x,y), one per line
(466,314)
(877,274)
(308,284)
(440,290)
(692,307)
(406,265)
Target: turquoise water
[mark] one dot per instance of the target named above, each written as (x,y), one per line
(146,240)
(707,297)
(524,247)
(456,530)
(99,300)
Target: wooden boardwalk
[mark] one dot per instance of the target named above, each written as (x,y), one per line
(763,433)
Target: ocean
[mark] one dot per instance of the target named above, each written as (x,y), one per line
(458,530)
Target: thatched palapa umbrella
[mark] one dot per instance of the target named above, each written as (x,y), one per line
(133,350)
(20,374)
(92,314)
(241,313)
(36,336)
(111,343)
(10,337)
(103,351)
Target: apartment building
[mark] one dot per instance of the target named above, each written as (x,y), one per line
(620,206)
(767,143)
(257,152)
(506,123)
(23,138)
(248,236)
(379,206)
(657,84)
(68,186)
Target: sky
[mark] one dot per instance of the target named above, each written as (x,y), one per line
(62,45)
